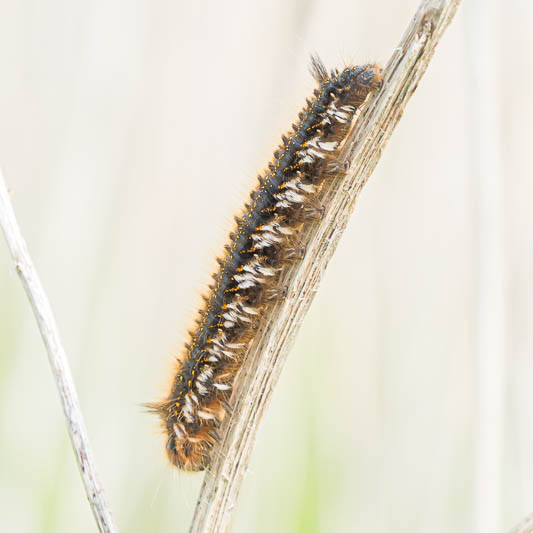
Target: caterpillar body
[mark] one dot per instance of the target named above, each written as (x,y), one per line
(261,248)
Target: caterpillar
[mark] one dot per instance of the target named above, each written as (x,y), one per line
(262,247)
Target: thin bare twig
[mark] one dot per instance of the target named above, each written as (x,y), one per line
(58,361)
(260,372)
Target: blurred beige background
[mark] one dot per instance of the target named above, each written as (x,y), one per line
(130,133)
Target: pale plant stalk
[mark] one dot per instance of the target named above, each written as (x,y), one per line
(58,361)
(263,364)
(483,46)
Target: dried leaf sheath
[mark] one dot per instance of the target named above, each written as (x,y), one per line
(264,243)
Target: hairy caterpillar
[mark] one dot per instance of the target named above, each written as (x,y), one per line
(261,247)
